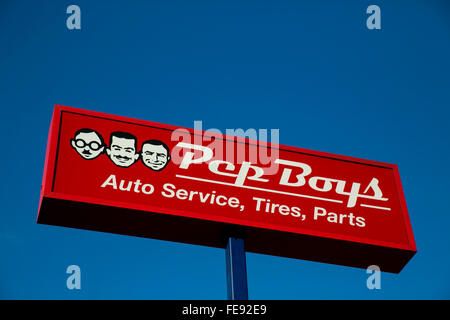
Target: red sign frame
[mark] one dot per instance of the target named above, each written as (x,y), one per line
(73,196)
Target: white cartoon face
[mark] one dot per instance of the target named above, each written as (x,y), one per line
(88,144)
(122,149)
(155,156)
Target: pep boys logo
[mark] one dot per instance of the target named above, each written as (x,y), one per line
(122,150)
(302,178)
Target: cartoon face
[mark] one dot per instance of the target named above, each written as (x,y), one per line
(88,143)
(155,155)
(122,149)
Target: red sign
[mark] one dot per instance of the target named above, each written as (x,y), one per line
(115,174)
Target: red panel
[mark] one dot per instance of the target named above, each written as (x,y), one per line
(318,204)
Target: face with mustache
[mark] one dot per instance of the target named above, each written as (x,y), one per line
(88,144)
(122,151)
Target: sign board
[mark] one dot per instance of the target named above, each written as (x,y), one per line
(120,175)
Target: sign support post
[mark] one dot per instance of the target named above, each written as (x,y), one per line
(236,269)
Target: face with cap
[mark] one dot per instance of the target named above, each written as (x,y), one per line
(88,144)
(154,157)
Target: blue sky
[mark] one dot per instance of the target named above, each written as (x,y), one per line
(308,68)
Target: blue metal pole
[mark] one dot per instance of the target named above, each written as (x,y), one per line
(236,269)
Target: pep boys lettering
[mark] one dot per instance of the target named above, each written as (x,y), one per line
(301,179)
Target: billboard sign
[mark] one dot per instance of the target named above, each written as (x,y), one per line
(120,175)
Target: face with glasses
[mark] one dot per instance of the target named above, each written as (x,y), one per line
(88,144)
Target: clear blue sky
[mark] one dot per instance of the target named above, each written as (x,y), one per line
(308,68)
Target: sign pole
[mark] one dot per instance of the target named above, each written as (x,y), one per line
(236,269)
